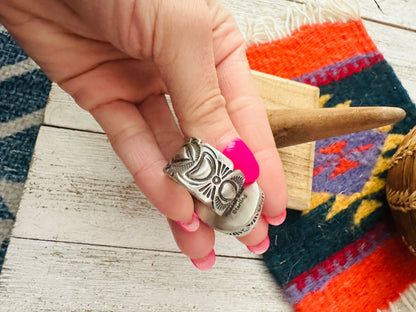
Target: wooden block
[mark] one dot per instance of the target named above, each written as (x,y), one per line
(279,93)
(282,93)
(276,92)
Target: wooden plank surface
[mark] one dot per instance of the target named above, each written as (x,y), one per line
(397,13)
(51,276)
(86,238)
(79,191)
(62,111)
(397,46)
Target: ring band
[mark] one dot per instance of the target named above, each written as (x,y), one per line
(209,176)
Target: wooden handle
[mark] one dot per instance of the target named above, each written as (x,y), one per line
(295,126)
(293,120)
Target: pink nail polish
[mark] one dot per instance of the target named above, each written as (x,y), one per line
(260,248)
(243,159)
(192,226)
(276,220)
(206,262)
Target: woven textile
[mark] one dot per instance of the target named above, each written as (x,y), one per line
(344,253)
(24,90)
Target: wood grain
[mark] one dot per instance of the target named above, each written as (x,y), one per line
(279,93)
(397,46)
(397,13)
(51,276)
(62,111)
(79,191)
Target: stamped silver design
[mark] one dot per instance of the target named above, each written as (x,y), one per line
(223,201)
(207,174)
(243,217)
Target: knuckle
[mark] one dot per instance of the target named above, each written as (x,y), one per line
(245,105)
(266,153)
(125,137)
(206,111)
(147,167)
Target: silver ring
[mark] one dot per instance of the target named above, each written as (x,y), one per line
(209,176)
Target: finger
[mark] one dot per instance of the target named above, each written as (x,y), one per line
(136,146)
(198,246)
(186,61)
(249,117)
(200,107)
(159,118)
(200,242)
(192,81)
(257,241)
(155,110)
(127,131)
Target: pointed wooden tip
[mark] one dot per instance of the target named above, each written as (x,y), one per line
(296,126)
(389,115)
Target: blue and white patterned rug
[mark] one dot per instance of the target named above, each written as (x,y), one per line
(24,90)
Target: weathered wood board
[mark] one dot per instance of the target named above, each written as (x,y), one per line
(79,191)
(53,276)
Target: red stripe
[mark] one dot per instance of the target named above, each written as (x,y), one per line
(311,48)
(368,285)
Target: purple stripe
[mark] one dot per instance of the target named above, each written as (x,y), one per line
(366,246)
(339,69)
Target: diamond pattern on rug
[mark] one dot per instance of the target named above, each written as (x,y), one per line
(344,164)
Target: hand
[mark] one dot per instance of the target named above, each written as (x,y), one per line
(117,59)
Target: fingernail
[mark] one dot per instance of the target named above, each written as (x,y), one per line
(260,248)
(276,220)
(192,226)
(243,159)
(206,262)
